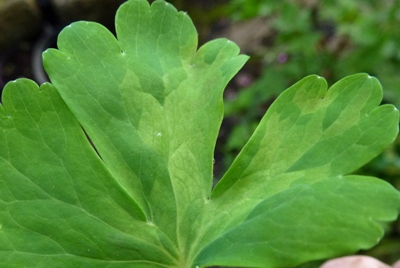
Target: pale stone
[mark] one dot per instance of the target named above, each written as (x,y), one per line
(354,262)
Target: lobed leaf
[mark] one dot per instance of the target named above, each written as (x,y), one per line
(112,166)
(307,221)
(58,202)
(294,166)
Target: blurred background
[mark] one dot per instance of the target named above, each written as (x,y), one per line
(287,40)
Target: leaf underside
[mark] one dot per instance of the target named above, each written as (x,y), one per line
(137,193)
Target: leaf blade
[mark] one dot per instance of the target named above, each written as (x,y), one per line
(283,230)
(300,141)
(161,101)
(55,210)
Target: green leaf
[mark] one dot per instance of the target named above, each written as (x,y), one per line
(58,202)
(151,104)
(111,164)
(294,166)
(307,221)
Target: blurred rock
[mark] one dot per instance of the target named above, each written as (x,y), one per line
(23,19)
(396,264)
(354,262)
(103,11)
(19,19)
(252,36)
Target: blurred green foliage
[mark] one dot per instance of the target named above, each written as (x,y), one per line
(331,38)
